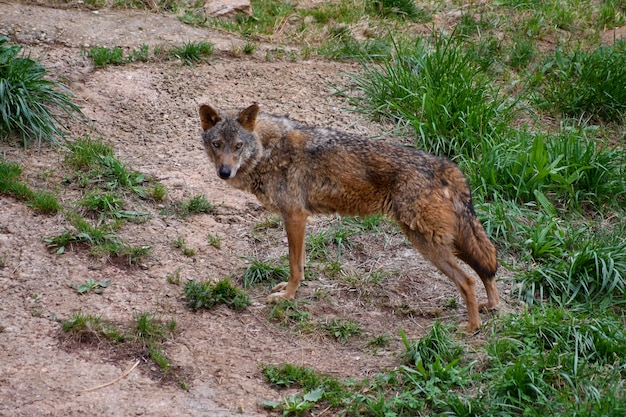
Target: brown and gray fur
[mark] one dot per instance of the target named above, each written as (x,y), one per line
(296,171)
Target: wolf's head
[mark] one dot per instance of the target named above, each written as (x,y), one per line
(229,139)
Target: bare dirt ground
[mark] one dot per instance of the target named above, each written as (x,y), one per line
(148,112)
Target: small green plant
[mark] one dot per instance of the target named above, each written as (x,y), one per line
(85,153)
(174,277)
(158,192)
(45,202)
(341,329)
(28,101)
(179,243)
(208,295)
(40,201)
(436,345)
(288,312)
(88,328)
(192,52)
(196,204)
(189,252)
(150,329)
(264,271)
(249,48)
(92,285)
(103,56)
(159,358)
(215,241)
(4,260)
(97,201)
(199,204)
(379,341)
(270,222)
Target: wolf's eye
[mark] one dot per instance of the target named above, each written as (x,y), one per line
(216,144)
(239,145)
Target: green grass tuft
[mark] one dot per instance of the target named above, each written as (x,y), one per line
(29,102)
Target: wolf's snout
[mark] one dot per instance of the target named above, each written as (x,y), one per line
(224,172)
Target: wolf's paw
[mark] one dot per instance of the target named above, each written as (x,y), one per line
(280,287)
(277,297)
(487,308)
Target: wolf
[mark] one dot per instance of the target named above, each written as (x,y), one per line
(297,171)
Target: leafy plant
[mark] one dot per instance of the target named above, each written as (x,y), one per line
(92,285)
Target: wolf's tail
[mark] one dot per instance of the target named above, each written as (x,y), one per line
(474,246)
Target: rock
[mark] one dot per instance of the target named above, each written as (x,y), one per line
(226,8)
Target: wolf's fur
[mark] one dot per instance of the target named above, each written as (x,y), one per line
(297,171)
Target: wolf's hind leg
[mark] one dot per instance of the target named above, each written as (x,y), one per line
(443,258)
(492,294)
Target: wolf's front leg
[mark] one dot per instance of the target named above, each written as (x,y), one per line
(295,223)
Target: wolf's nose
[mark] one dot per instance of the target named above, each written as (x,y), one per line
(224,173)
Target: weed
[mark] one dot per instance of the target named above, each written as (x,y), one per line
(263,271)
(40,201)
(174,277)
(270,222)
(192,52)
(341,329)
(288,312)
(158,192)
(159,358)
(92,329)
(103,56)
(379,341)
(436,345)
(92,285)
(85,153)
(179,243)
(208,295)
(189,252)
(44,202)
(215,241)
(404,9)
(4,260)
(150,329)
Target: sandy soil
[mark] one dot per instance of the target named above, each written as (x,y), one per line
(147,111)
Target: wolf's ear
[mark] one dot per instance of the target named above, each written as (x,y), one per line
(247,117)
(208,117)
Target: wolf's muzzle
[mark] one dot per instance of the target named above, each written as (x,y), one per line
(224,172)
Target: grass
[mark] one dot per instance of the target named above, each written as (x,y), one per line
(194,205)
(145,334)
(206,294)
(546,362)
(585,84)
(29,102)
(192,52)
(41,201)
(264,271)
(435,87)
